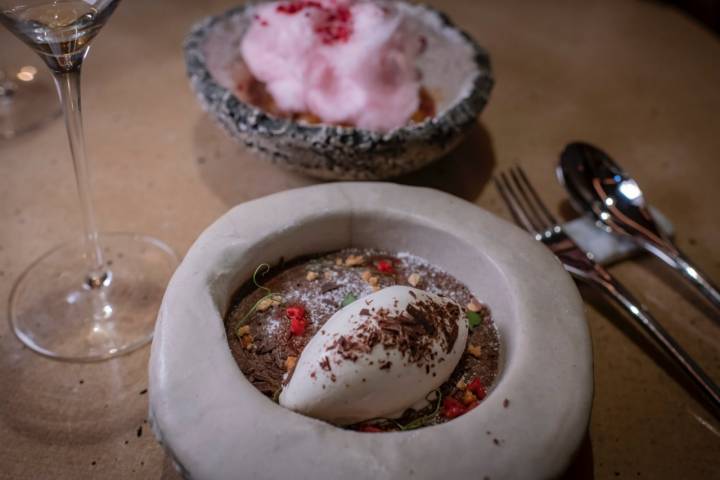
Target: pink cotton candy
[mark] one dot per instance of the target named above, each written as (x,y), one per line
(346,61)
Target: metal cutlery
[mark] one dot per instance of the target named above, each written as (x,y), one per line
(531,214)
(598,185)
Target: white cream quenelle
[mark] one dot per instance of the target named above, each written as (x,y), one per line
(377,357)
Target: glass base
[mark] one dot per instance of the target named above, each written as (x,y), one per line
(55,312)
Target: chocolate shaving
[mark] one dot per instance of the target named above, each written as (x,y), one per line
(413,332)
(265,365)
(420,316)
(325,364)
(329,287)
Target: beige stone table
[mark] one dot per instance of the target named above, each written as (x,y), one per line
(636,77)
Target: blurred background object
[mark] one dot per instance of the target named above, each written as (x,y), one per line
(27,94)
(706,11)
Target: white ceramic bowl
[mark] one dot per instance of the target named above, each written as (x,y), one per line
(216,425)
(454,67)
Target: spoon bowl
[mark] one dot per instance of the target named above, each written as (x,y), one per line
(598,185)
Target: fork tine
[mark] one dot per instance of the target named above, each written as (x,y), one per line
(549,216)
(511,200)
(531,209)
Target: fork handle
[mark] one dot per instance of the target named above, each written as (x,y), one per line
(618,293)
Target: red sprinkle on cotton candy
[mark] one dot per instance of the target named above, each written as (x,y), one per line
(261,20)
(334,23)
(291,8)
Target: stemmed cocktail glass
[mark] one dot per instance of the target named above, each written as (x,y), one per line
(97,297)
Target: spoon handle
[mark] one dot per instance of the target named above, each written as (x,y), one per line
(617,292)
(679,261)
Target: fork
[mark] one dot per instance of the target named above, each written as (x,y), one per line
(531,214)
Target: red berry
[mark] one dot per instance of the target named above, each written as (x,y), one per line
(369,429)
(298,322)
(385,266)
(452,408)
(295,312)
(297,326)
(477,388)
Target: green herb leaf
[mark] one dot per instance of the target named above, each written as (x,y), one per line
(474,319)
(422,421)
(261,270)
(349,298)
(418,422)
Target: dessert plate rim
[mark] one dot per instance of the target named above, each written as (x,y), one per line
(215,424)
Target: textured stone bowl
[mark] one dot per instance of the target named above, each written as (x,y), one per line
(456,71)
(217,425)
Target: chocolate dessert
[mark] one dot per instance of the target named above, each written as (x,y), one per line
(274,315)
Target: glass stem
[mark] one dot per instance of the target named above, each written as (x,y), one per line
(68,87)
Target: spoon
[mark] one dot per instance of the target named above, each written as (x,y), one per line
(598,185)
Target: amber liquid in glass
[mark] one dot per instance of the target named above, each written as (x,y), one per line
(59,32)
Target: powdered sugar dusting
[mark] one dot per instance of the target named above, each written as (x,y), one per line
(320,286)
(430,276)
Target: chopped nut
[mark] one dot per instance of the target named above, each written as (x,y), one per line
(244,330)
(290,362)
(414,279)
(461,385)
(338,261)
(373,281)
(366,275)
(375,288)
(354,260)
(474,350)
(276,301)
(474,306)
(468,397)
(264,304)
(328,274)
(247,341)
(311,276)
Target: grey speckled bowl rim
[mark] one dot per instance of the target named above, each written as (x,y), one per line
(463,111)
